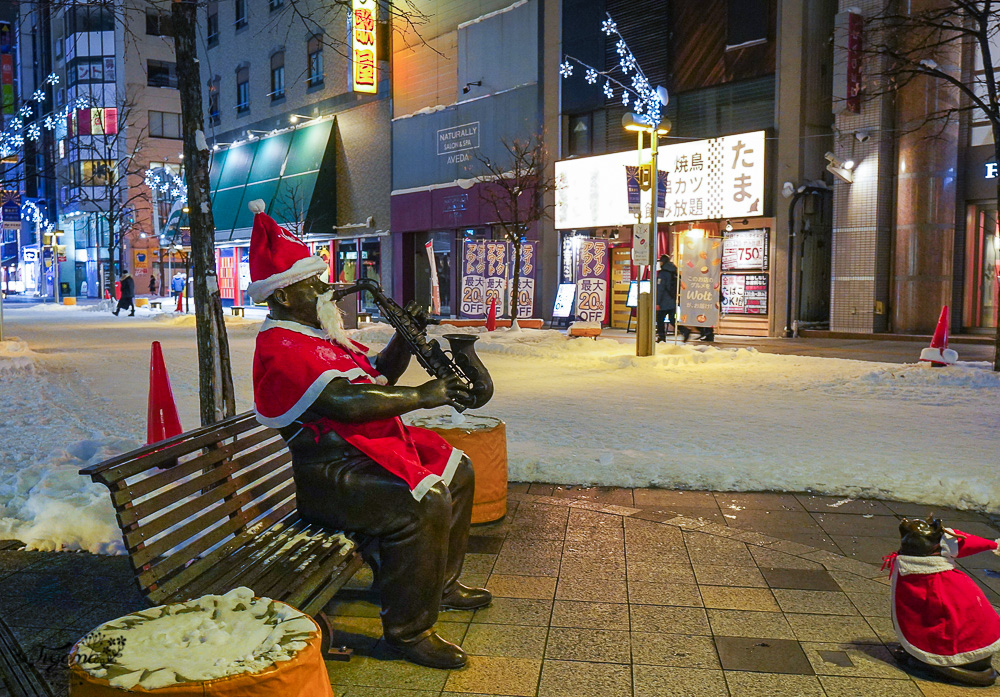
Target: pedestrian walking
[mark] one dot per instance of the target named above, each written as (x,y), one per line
(152,285)
(666,299)
(128,293)
(177,284)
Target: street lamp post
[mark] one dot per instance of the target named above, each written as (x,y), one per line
(646,321)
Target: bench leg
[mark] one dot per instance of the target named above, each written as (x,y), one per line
(330,652)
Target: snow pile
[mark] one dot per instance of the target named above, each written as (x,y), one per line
(15,356)
(203,639)
(49,506)
(101,306)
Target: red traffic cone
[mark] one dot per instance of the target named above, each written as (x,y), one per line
(180,299)
(161,415)
(491,316)
(938,354)
(107,295)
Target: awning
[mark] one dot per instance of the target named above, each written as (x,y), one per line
(283,170)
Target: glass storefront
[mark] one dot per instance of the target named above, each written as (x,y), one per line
(982,277)
(356,259)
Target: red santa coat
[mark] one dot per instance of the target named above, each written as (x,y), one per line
(940,615)
(292,365)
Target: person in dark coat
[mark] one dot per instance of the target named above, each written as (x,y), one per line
(666,299)
(152,285)
(128,293)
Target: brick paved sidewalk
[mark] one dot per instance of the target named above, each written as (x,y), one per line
(638,593)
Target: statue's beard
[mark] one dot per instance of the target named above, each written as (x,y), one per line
(331,321)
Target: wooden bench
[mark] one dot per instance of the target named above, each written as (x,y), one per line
(155,304)
(214,509)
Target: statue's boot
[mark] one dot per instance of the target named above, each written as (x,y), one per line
(465,598)
(431,651)
(978,673)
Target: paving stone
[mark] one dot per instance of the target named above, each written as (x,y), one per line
(745,623)
(593,590)
(725,575)
(848,524)
(707,549)
(842,505)
(883,628)
(685,523)
(812,540)
(541,489)
(862,660)
(595,645)
(869,687)
(518,487)
(765,556)
(496,675)
(540,587)
(595,548)
(816,602)
(872,604)
(788,547)
(594,534)
(655,516)
(943,689)
(852,583)
(800,579)
(363,691)
(766,501)
(708,514)
(385,671)
(585,615)
(601,494)
(667,497)
(582,679)
(645,593)
(611,569)
(764,655)
(660,571)
(831,628)
(747,684)
(731,598)
(522,547)
(769,522)
(864,548)
(668,681)
(524,611)
(667,619)
(515,641)
(527,565)
(479,563)
(679,650)
(752,537)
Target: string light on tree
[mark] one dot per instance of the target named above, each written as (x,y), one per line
(591,76)
(566,69)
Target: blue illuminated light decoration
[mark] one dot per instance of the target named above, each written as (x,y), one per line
(32,213)
(163,181)
(13,136)
(645,99)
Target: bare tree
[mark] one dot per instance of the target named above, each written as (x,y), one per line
(925,41)
(515,191)
(290,208)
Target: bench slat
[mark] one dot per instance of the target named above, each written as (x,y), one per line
(308,584)
(208,484)
(142,487)
(280,569)
(135,461)
(286,584)
(227,509)
(162,573)
(316,599)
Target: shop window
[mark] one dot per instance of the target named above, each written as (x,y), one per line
(278,76)
(242,90)
(164,124)
(314,49)
(161,74)
(95,173)
(581,127)
(241,14)
(213,24)
(982,289)
(746,23)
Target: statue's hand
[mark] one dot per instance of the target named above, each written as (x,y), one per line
(449,390)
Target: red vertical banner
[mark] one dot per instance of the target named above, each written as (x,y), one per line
(855,31)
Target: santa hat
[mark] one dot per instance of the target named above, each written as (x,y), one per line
(277,258)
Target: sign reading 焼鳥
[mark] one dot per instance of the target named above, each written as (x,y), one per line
(497,263)
(364,69)
(592,280)
(473,279)
(700,282)
(526,281)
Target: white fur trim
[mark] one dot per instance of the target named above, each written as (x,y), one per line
(923,565)
(935,355)
(305,401)
(297,327)
(997,550)
(453,461)
(424,485)
(261,290)
(257,206)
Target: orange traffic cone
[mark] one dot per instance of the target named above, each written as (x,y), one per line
(180,299)
(939,354)
(491,316)
(161,415)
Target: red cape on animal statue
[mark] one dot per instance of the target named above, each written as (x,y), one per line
(940,615)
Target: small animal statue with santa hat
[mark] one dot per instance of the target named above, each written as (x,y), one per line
(943,620)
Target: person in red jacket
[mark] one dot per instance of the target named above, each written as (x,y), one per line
(943,620)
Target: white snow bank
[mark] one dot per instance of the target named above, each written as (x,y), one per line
(203,639)
(101,306)
(49,506)
(15,356)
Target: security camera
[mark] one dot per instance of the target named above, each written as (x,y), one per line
(788,189)
(862,136)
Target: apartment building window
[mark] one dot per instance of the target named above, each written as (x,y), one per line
(164,124)
(156,23)
(581,128)
(314,49)
(241,14)
(242,89)
(275,4)
(161,74)
(213,24)
(278,76)
(93,173)
(214,113)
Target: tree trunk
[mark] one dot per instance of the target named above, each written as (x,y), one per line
(215,378)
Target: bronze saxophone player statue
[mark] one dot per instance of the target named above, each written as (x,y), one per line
(357,467)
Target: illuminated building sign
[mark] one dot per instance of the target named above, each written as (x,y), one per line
(92,122)
(991,170)
(364,71)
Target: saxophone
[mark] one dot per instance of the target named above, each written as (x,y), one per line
(410,323)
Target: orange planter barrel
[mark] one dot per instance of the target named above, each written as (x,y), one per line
(303,676)
(487,448)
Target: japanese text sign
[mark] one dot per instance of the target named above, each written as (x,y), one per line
(701,259)
(744,294)
(745,250)
(592,281)
(473,279)
(364,68)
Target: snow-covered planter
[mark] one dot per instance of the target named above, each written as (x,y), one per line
(210,638)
